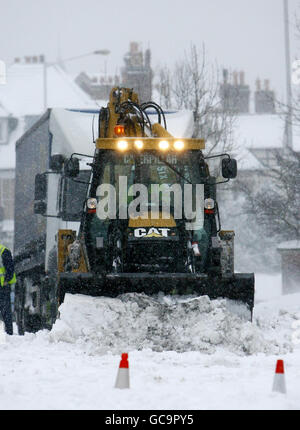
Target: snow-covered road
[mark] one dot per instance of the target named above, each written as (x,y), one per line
(216,361)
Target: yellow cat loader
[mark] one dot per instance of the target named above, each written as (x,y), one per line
(151,220)
(136,213)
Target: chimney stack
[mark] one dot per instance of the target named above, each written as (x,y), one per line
(235,96)
(258,84)
(137,73)
(242,78)
(225,76)
(264,98)
(133,47)
(267,85)
(235,78)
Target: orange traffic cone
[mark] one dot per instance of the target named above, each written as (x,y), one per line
(279,378)
(123,373)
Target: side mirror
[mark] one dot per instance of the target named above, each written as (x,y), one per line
(57,162)
(40,208)
(40,187)
(72,168)
(229,168)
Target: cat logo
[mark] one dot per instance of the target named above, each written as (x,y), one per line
(152,232)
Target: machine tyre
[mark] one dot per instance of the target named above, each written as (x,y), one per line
(26,322)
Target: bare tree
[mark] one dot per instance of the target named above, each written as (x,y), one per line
(164,87)
(276,204)
(194,85)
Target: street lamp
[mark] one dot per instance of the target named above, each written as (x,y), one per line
(289,126)
(46,65)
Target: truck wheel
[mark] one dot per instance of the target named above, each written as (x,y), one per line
(53,300)
(30,322)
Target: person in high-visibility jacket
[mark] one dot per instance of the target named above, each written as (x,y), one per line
(7,280)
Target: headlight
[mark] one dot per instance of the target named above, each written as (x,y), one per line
(163,145)
(138,144)
(179,145)
(209,204)
(91,203)
(122,145)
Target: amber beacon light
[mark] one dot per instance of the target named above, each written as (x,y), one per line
(119,130)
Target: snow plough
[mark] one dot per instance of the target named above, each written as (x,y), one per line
(149,220)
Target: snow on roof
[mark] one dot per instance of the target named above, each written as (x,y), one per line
(256,131)
(23,95)
(180,124)
(24,92)
(259,131)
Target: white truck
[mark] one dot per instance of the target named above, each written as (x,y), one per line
(41,188)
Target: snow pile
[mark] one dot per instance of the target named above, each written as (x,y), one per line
(137,322)
(68,368)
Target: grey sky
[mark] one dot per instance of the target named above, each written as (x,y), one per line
(239,34)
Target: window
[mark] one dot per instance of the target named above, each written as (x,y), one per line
(75,191)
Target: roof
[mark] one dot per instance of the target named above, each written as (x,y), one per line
(260,131)
(23,96)
(23,93)
(255,132)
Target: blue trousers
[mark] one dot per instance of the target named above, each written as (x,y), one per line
(5,308)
